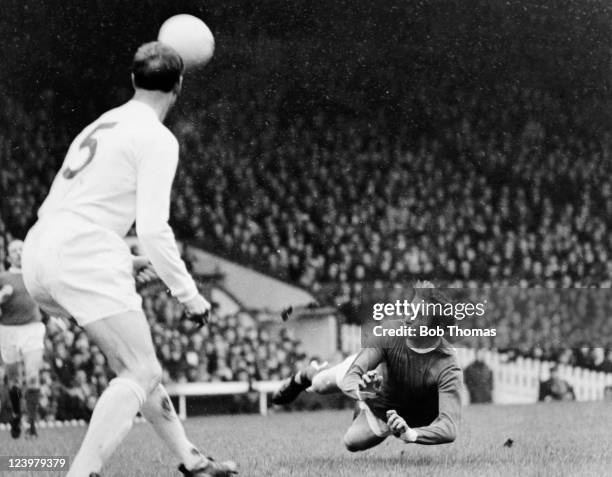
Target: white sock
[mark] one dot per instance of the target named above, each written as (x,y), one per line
(110,422)
(324,382)
(159,411)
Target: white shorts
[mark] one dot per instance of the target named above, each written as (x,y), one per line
(74,268)
(343,367)
(377,425)
(17,340)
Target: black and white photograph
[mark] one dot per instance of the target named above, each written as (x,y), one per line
(306,238)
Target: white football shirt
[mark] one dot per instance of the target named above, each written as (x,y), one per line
(119,170)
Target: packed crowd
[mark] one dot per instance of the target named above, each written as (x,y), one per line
(334,200)
(509,187)
(232,348)
(506,184)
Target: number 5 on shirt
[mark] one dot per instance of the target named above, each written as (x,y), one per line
(91,143)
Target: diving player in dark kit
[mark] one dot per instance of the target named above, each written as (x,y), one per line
(418,400)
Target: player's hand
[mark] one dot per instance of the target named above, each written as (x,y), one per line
(197,310)
(424,284)
(142,269)
(396,423)
(370,384)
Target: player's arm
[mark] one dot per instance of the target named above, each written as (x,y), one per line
(353,382)
(157,162)
(444,428)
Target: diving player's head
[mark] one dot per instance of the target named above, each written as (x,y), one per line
(14,253)
(422,293)
(426,294)
(157,75)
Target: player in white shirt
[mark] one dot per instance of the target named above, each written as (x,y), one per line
(118,170)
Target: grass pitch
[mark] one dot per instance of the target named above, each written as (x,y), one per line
(557,439)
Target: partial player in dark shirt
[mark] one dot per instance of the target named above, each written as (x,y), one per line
(408,387)
(17,306)
(22,336)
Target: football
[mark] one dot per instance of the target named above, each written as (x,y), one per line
(190,37)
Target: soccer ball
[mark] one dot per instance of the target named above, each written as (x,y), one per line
(190,37)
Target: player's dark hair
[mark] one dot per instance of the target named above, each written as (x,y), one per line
(157,67)
(438,297)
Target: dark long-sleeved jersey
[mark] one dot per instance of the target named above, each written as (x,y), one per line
(424,388)
(19,308)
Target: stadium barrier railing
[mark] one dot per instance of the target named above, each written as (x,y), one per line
(184,390)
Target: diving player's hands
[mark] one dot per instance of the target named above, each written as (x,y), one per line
(197,310)
(142,269)
(396,423)
(370,384)
(399,427)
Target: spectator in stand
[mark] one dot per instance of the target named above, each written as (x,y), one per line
(606,365)
(75,401)
(555,388)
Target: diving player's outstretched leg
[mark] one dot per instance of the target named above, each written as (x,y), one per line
(318,378)
(365,432)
